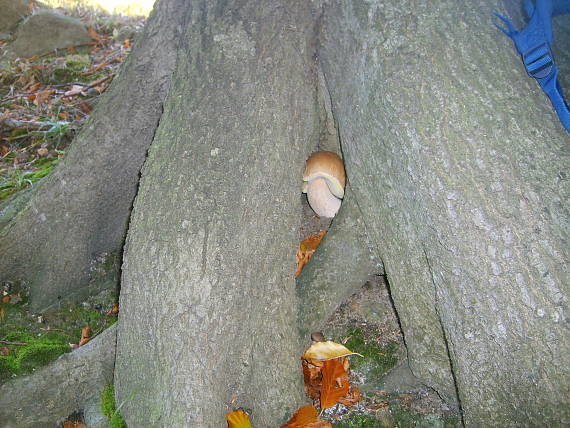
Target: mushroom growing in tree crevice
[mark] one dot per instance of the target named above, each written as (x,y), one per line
(324,180)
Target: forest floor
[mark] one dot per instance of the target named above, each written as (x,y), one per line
(44,102)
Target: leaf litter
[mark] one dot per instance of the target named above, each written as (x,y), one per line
(44,101)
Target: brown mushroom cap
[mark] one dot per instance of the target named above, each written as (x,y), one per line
(329,166)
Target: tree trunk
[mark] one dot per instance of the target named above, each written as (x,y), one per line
(458,163)
(455,159)
(208,303)
(57,237)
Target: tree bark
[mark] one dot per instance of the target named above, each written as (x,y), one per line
(211,247)
(339,268)
(454,157)
(57,236)
(458,163)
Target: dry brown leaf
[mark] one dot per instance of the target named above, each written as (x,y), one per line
(307,248)
(35,87)
(313,379)
(335,383)
(322,351)
(42,151)
(43,96)
(302,418)
(4,351)
(75,90)
(94,34)
(238,419)
(352,397)
(6,299)
(320,424)
(114,310)
(85,336)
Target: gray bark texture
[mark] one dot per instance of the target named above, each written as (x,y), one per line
(52,393)
(78,216)
(208,303)
(339,268)
(460,167)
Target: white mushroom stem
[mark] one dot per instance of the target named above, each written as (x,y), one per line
(321,200)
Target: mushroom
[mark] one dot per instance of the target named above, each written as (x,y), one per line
(323,182)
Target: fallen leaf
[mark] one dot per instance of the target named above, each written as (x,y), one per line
(302,418)
(114,310)
(85,108)
(320,424)
(75,90)
(35,87)
(6,299)
(238,419)
(94,34)
(4,351)
(322,351)
(43,96)
(335,383)
(353,397)
(127,44)
(85,336)
(42,151)
(307,248)
(313,378)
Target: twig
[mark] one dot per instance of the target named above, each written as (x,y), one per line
(15,124)
(6,342)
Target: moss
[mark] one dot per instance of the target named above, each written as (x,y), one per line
(109,408)
(44,341)
(37,351)
(77,62)
(357,420)
(377,359)
(404,417)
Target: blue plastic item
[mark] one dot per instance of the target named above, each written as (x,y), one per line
(534,44)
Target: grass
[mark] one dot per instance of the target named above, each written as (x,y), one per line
(109,408)
(18,179)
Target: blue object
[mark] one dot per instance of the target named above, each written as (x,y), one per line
(534,44)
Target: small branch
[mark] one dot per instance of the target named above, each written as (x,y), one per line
(5,342)
(34,124)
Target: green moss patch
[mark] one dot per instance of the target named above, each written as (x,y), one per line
(404,417)
(377,359)
(109,408)
(359,420)
(29,341)
(29,351)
